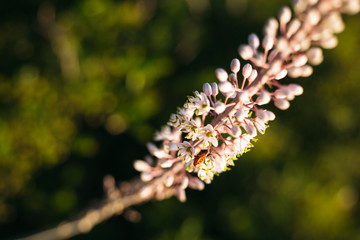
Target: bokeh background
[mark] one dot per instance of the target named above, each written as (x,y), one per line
(85,84)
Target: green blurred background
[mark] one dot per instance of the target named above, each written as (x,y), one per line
(85,84)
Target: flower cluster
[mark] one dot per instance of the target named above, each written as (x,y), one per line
(217,125)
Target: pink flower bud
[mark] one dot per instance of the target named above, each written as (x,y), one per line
(235,65)
(268,42)
(329,42)
(281,74)
(184,182)
(146,176)
(284,15)
(282,93)
(235,131)
(221,74)
(293,27)
(215,89)
(282,104)
(246,71)
(295,89)
(141,166)
(196,183)
(299,60)
(306,71)
(241,114)
(313,16)
(146,192)
(294,72)
(207,89)
(351,7)
(219,107)
(226,87)
(271,27)
(254,40)
(282,44)
(263,98)
(315,55)
(253,76)
(250,129)
(334,22)
(232,78)
(246,52)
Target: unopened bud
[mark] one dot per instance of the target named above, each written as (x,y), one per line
(246,52)
(315,56)
(268,42)
(214,88)
(221,74)
(299,60)
(235,131)
(253,76)
(226,87)
(254,40)
(271,27)
(219,107)
(329,42)
(246,71)
(207,89)
(295,89)
(284,15)
(235,65)
(306,71)
(240,115)
(313,16)
(263,98)
(281,74)
(293,27)
(282,104)
(141,166)
(250,129)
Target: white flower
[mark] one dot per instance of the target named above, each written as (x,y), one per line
(206,175)
(208,136)
(193,129)
(186,150)
(201,103)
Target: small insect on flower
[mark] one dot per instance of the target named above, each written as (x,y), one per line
(200,157)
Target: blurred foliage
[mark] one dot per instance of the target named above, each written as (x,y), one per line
(84,84)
